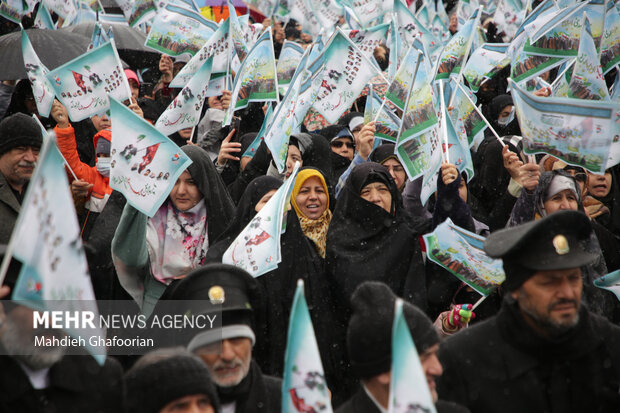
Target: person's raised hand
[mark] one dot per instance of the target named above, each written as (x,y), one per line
(458,317)
(529,174)
(449,173)
(165,67)
(512,163)
(544,92)
(228,149)
(226,98)
(136,108)
(365,140)
(80,189)
(59,114)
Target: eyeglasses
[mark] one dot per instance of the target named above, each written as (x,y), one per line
(338,144)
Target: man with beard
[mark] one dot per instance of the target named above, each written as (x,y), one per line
(227,350)
(39,379)
(543,351)
(20,141)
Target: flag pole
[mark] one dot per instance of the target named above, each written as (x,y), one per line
(481,115)
(444,125)
(479,302)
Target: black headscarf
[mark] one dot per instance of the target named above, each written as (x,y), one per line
(366,243)
(612,201)
(220,208)
(493,110)
(243,214)
(382,153)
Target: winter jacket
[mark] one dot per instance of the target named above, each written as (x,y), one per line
(101,185)
(503,365)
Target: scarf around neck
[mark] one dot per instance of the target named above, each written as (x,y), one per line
(177,240)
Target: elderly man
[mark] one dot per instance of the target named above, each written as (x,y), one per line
(227,350)
(544,351)
(38,379)
(20,142)
(369,343)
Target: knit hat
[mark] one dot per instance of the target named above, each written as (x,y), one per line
(150,387)
(19,130)
(369,336)
(131,75)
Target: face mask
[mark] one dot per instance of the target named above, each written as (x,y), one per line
(506,119)
(103,166)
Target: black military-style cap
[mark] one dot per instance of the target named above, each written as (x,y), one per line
(556,242)
(214,288)
(218,284)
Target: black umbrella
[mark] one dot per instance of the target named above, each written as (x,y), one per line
(129,43)
(54,48)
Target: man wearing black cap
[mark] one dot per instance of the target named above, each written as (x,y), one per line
(227,351)
(369,343)
(20,142)
(543,351)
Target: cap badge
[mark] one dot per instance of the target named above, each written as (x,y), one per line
(216,295)
(560,243)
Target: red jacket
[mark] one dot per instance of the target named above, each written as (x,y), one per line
(65,138)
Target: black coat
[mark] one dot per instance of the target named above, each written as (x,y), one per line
(502,365)
(77,384)
(361,403)
(257,393)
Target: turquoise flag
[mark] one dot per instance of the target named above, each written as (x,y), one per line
(387,123)
(417,142)
(290,56)
(367,12)
(43,20)
(457,148)
(145,164)
(177,30)
(559,87)
(216,47)
(555,34)
(368,39)
(467,122)
(576,131)
(461,253)
(256,80)
(610,40)
(239,44)
(409,390)
(346,71)
(396,50)
(400,86)
(587,81)
(508,16)
(411,28)
(260,136)
(46,240)
(456,52)
(304,388)
(257,248)
(42,89)
(137,11)
(610,282)
(291,111)
(485,62)
(185,109)
(84,84)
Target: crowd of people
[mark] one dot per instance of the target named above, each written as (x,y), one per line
(545,340)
